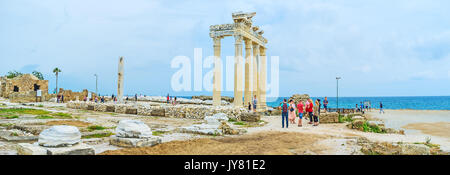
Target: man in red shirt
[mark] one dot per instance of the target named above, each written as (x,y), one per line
(300,113)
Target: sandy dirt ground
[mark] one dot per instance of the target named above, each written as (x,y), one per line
(434,124)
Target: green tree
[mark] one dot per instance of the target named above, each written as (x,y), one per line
(56,71)
(12,74)
(38,75)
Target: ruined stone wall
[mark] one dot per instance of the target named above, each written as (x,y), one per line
(177,111)
(69,95)
(25,86)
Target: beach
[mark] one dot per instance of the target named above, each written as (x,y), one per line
(434,124)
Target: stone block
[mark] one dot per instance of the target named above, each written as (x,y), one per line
(30,149)
(90,107)
(78,149)
(329,117)
(160,112)
(131,111)
(250,116)
(134,142)
(110,108)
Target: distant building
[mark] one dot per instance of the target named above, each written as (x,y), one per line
(23,88)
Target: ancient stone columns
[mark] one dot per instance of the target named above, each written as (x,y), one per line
(262,78)
(248,67)
(217,73)
(120,81)
(238,60)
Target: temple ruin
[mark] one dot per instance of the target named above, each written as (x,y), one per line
(255,60)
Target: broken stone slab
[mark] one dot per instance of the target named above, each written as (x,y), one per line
(35,149)
(216,119)
(133,129)
(357,117)
(134,142)
(204,129)
(159,112)
(78,149)
(131,111)
(30,149)
(60,135)
(19,138)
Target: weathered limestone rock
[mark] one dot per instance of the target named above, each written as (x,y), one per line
(30,149)
(414,149)
(216,118)
(329,117)
(131,110)
(134,142)
(299,97)
(159,112)
(78,149)
(357,124)
(250,116)
(357,117)
(121,108)
(205,129)
(110,108)
(133,129)
(60,135)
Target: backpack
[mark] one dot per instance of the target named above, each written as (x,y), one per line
(285,108)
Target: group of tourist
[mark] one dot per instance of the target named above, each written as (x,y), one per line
(289,111)
(252,105)
(60,98)
(171,100)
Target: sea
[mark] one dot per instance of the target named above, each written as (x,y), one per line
(415,103)
(410,102)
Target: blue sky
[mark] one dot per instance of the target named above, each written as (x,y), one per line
(379,48)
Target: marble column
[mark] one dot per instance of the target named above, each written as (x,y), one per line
(217,80)
(256,74)
(120,81)
(238,61)
(248,66)
(263,77)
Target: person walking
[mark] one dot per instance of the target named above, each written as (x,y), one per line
(325,104)
(284,113)
(316,112)
(291,112)
(381,108)
(309,110)
(254,103)
(300,113)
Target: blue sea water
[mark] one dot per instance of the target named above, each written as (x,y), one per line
(417,103)
(412,102)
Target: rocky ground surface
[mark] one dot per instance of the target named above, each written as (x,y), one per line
(261,137)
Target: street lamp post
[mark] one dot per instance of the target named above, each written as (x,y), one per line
(337,93)
(96,83)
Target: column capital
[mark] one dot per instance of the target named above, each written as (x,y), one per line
(238,38)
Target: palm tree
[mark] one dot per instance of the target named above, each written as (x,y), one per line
(56,71)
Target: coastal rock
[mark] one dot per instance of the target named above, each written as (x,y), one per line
(299,97)
(414,149)
(60,135)
(133,129)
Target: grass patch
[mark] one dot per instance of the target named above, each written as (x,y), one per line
(232,120)
(98,135)
(62,115)
(44,117)
(158,133)
(23,111)
(239,123)
(41,106)
(95,127)
(6,124)
(14,134)
(9,116)
(343,118)
(367,128)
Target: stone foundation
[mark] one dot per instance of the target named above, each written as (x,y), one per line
(329,117)
(35,149)
(163,110)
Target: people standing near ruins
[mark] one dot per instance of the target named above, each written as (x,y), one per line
(309,110)
(175,100)
(62,98)
(168,98)
(291,112)
(300,113)
(249,107)
(254,103)
(316,113)
(135,97)
(284,113)
(381,108)
(325,104)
